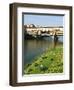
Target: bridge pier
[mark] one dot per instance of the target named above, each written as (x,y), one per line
(55,37)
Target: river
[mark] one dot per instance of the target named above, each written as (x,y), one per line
(34,48)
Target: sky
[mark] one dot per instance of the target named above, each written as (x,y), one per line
(43,20)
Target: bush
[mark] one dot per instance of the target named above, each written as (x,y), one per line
(43,68)
(44,57)
(51,59)
(28,65)
(36,64)
(29,70)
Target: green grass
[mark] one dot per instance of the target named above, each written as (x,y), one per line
(50,61)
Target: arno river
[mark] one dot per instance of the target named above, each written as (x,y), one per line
(35,47)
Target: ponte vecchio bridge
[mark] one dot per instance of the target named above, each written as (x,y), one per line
(43,31)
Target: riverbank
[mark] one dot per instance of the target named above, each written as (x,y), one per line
(50,61)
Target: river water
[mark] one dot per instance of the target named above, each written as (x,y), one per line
(34,47)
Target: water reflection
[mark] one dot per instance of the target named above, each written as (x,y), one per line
(34,48)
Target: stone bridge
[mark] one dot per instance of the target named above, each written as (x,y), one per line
(46,31)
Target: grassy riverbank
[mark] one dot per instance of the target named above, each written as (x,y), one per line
(50,61)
